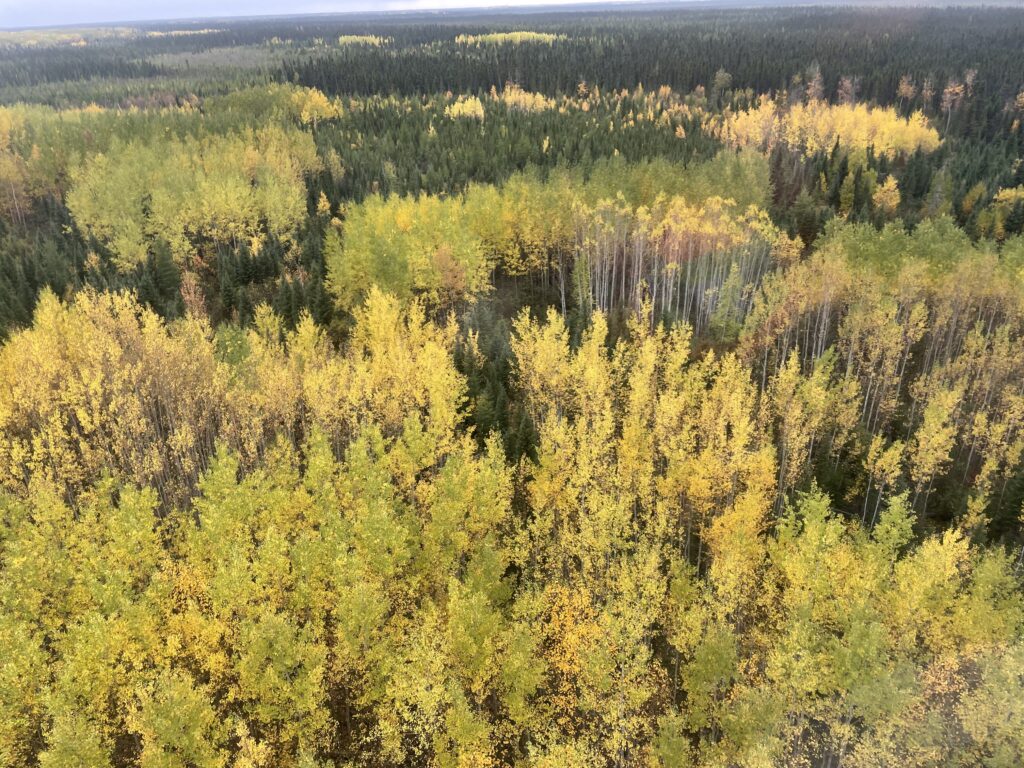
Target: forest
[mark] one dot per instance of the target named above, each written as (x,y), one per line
(564,389)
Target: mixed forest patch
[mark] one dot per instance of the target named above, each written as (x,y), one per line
(549,390)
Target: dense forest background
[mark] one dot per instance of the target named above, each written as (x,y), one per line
(524,389)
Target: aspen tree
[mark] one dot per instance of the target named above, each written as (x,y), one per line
(933,441)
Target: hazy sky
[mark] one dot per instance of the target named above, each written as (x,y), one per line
(19,13)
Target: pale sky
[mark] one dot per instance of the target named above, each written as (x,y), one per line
(21,13)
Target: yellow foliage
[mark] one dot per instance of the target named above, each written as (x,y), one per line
(465,107)
(817,126)
(516,98)
(325,552)
(370,40)
(887,196)
(509,38)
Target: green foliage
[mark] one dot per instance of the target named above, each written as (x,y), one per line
(235,189)
(407,247)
